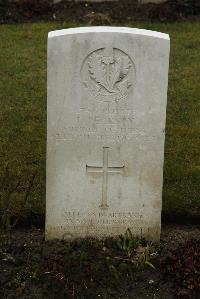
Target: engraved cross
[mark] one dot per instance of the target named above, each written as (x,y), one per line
(105,170)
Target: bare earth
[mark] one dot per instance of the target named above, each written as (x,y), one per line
(25,260)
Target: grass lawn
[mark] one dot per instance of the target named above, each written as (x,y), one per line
(23,118)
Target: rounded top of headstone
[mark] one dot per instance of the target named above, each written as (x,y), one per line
(108,29)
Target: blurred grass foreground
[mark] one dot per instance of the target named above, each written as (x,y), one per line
(23,120)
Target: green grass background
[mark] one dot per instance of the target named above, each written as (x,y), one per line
(23,117)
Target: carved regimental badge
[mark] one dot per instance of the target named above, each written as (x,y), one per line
(108,74)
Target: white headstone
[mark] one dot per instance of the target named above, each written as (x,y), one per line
(107,95)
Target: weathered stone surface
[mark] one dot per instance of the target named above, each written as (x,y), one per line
(107,95)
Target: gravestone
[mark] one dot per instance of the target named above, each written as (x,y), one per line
(107,95)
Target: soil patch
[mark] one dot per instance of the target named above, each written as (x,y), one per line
(104,13)
(88,268)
